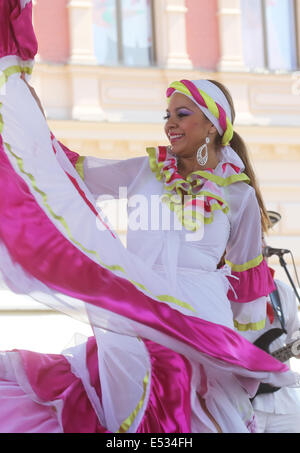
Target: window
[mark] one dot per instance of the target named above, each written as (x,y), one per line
(269,34)
(123,32)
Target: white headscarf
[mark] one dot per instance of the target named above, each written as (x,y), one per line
(215,93)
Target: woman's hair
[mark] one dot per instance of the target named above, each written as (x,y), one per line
(239,146)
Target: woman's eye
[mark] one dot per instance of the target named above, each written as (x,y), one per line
(180,115)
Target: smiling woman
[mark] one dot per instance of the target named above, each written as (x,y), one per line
(186,127)
(165,356)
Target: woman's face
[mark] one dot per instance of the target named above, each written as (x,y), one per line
(186,126)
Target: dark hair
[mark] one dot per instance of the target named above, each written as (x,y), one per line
(239,146)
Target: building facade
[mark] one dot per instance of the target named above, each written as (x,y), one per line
(104,65)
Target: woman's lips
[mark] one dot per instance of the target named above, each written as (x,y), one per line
(175,138)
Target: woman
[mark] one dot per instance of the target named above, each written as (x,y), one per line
(164,356)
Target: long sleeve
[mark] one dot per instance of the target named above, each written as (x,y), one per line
(106,176)
(252,281)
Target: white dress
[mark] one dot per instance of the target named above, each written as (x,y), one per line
(163,314)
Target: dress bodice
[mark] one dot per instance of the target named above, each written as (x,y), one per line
(156,235)
(171,246)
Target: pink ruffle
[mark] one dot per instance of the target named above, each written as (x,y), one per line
(169,405)
(168,408)
(51,379)
(17,35)
(251,284)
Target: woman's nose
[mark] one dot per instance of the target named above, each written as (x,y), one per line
(171,122)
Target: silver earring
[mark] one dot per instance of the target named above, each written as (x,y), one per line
(203,158)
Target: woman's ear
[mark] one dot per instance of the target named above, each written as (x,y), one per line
(212,132)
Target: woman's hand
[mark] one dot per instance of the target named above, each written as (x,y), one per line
(33,92)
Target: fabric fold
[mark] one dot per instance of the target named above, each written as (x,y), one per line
(17,35)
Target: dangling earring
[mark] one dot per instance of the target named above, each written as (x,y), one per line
(202,159)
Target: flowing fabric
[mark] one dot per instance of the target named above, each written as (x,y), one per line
(164,338)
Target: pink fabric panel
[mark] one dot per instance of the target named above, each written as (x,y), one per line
(169,405)
(20,414)
(51,379)
(36,244)
(251,284)
(17,36)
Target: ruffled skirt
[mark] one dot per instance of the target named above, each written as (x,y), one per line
(124,385)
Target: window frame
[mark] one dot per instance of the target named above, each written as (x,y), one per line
(120,47)
(265,49)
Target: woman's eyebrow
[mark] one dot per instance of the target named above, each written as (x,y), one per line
(185,108)
(181,108)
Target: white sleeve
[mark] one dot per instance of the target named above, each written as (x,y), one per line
(106,176)
(111,177)
(244,249)
(253,281)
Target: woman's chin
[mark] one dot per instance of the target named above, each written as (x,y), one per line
(177,149)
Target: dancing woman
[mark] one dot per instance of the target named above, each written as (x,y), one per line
(165,356)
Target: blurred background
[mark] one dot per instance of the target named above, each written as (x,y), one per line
(102,71)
